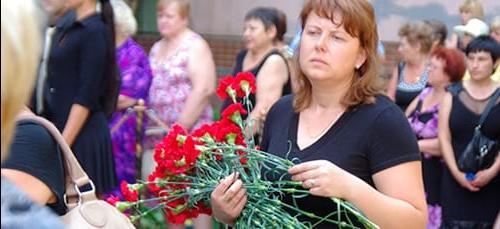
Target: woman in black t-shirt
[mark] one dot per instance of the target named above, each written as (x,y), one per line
(354,143)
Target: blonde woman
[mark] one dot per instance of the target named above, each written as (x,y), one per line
(409,78)
(468,9)
(21,36)
(183,75)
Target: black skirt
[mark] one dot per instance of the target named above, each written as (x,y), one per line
(94,151)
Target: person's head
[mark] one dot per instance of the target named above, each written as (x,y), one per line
(260,27)
(76,4)
(470,9)
(471,30)
(339,42)
(281,28)
(447,65)
(125,23)
(172,16)
(21,36)
(416,38)
(495,28)
(438,32)
(482,57)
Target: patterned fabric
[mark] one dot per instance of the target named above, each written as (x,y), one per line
(425,127)
(409,87)
(424,124)
(434,219)
(136,79)
(171,86)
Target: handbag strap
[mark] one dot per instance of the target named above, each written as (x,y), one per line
(75,175)
(488,108)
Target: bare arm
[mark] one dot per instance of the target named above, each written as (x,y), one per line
(393,83)
(35,188)
(270,81)
(430,146)
(76,119)
(411,108)
(445,142)
(202,75)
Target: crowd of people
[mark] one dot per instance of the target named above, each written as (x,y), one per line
(391,150)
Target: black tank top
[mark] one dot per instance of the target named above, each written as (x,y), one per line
(287,88)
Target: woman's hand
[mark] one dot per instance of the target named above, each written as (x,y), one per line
(228,199)
(484,177)
(323,178)
(460,178)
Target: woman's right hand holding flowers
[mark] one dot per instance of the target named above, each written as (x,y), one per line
(228,199)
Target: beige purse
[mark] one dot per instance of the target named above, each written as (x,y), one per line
(84,209)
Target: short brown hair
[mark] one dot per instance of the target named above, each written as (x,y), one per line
(184,6)
(418,33)
(454,62)
(474,7)
(358,19)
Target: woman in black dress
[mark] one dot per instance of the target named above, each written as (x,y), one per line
(473,202)
(82,88)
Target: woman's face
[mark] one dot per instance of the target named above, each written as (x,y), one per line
(327,51)
(495,33)
(406,49)
(437,75)
(465,16)
(480,65)
(170,22)
(255,34)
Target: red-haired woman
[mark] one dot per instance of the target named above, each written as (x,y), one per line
(446,66)
(354,143)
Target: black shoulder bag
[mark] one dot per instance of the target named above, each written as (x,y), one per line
(481,151)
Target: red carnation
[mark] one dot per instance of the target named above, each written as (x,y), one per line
(112,200)
(129,195)
(244,84)
(225,88)
(233,112)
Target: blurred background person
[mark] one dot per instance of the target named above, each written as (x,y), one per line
(495,28)
(265,61)
(438,33)
(136,76)
(468,32)
(21,45)
(473,202)
(468,9)
(495,33)
(474,28)
(183,75)
(446,66)
(82,87)
(409,78)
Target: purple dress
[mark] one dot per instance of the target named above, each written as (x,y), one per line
(424,124)
(135,82)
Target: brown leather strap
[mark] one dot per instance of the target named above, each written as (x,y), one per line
(75,176)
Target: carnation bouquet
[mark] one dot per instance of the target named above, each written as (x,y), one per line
(190,166)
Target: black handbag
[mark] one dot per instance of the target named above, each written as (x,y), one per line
(481,151)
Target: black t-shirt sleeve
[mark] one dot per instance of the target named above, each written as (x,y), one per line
(93,61)
(35,152)
(392,141)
